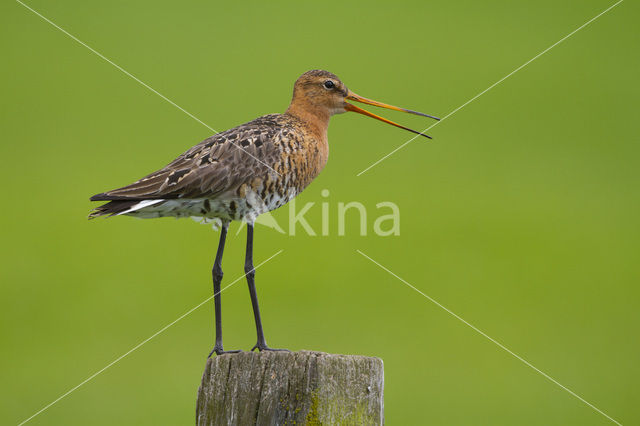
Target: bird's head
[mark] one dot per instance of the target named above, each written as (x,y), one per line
(320,94)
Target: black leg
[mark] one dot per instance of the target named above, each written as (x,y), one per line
(261,345)
(217,280)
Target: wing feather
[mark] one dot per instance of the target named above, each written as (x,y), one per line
(220,163)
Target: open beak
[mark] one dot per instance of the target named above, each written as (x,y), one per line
(350,107)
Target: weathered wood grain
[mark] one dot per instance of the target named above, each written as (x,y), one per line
(291,388)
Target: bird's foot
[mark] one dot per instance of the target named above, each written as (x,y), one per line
(262,346)
(217,349)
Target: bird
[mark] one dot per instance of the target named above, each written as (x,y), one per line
(243,172)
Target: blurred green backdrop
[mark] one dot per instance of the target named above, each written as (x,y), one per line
(522,215)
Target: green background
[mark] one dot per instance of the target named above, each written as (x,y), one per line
(521,216)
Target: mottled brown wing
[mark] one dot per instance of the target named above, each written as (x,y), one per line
(218,164)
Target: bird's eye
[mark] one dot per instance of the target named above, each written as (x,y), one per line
(329,84)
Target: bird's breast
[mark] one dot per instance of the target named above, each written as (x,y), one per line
(302,160)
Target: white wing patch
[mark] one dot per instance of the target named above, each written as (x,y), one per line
(141,205)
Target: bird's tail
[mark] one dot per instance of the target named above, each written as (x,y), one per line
(112,208)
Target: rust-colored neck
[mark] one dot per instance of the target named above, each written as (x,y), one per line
(315,116)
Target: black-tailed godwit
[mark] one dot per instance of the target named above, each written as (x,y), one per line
(244,172)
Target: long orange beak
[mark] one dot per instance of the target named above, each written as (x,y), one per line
(350,107)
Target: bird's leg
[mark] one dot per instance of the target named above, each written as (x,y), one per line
(250,272)
(217,280)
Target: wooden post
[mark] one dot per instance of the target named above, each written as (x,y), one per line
(291,388)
